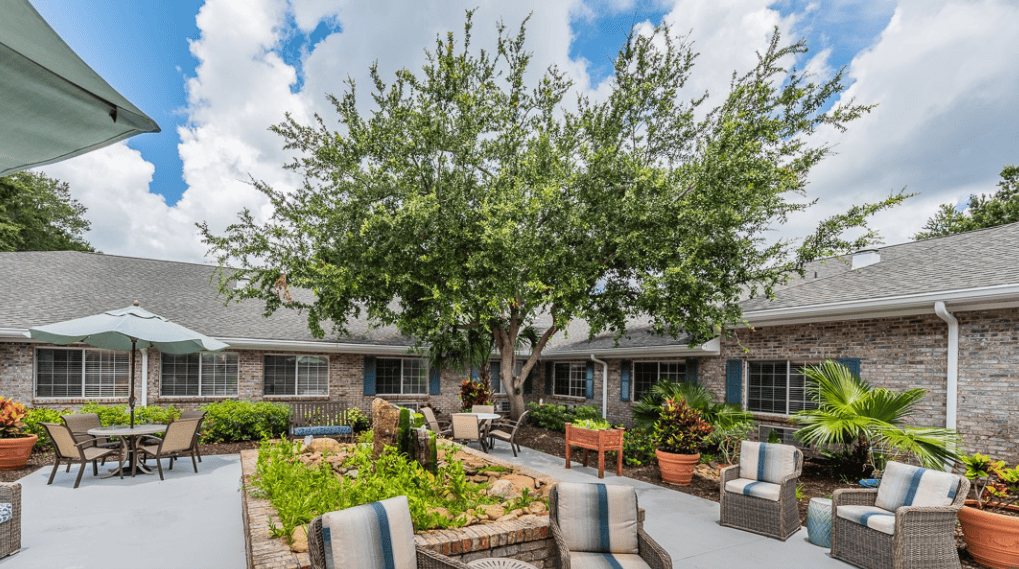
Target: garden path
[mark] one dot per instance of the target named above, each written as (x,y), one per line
(189,520)
(687,526)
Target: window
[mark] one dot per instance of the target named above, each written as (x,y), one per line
(198,375)
(569,379)
(777,387)
(494,368)
(295,375)
(401,376)
(81,373)
(646,374)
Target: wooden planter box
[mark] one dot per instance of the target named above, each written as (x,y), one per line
(598,441)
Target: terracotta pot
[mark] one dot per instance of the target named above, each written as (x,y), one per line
(14,453)
(991,538)
(677,468)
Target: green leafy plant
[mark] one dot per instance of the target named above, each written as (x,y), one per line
(11,414)
(800,494)
(857,417)
(554,417)
(585,413)
(473,393)
(720,415)
(995,485)
(729,440)
(231,420)
(639,447)
(42,415)
(357,420)
(774,437)
(593,424)
(680,429)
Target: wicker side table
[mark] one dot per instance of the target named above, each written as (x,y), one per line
(500,563)
(819,522)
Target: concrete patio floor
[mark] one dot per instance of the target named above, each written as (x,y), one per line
(189,520)
(687,526)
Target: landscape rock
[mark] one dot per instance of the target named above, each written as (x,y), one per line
(707,471)
(506,518)
(504,489)
(528,518)
(324,446)
(537,508)
(299,539)
(494,512)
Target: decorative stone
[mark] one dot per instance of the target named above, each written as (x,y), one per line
(528,518)
(385,420)
(494,512)
(537,508)
(506,518)
(504,489)
(707,471)
(324,446)
(440,511)
(517,512)
(299,539)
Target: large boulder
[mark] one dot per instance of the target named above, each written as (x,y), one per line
(324,446)
(385,421)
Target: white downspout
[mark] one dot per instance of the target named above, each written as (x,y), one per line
(145,377)
(604,386)
(952,384)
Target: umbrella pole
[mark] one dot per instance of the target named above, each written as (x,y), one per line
(131,399)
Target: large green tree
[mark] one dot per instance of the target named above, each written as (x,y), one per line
(985,210)
(468,198)
(37,213)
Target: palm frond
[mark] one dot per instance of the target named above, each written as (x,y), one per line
(932,446)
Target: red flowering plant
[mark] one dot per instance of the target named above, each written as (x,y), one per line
(11,414)
(680,429)
(996,486)
(472,393)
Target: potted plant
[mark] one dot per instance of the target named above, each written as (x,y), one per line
(15,445)
(679,432)
(990,523)
(597,435)
(472,393)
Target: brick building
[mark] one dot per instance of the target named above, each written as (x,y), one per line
(941,314)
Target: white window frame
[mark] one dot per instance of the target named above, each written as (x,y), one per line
(403,377)
(297,375)
(574,367)
(84,374)
(790,366)
(633,377)
(201,381)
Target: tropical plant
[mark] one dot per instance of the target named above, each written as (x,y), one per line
(728,440)
(857,417)
(720,415)
(638,447)
(11,414)
(680,429)
(995,485)
(473,393)
(592,424)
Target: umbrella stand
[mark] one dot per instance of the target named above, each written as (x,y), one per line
(134,343)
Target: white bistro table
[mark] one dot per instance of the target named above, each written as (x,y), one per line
(131,435)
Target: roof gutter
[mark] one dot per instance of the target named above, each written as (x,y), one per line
(709,348)
(297,345)
(604,386)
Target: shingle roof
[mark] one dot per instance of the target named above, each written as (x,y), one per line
(970,260)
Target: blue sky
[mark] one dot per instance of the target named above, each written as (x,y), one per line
(216,74)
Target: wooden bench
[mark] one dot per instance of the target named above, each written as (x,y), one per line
(320,419)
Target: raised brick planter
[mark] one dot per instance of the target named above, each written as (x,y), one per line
(529,541)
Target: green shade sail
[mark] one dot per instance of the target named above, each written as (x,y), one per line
(53,106)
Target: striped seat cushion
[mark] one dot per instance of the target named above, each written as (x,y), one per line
(585,560)
(755,488)
(322,430)
(905,485)
(598,518)
(766,462)
(6,512)
(869,516)
(379,535)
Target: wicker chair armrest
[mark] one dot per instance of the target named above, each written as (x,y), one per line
(912,522)
(10,492)
(854,497)
(560,541)
(728,473)
(428,559)
(652,553)
(641,513)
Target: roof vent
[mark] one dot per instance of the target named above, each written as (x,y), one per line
(865,258)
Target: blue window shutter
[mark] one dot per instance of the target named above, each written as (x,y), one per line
(369,375)
(434,381)
(496,380)
(692,369)
(734,381)
(529,382)
(624,380)
(852,363)
(548,378)
(589,391)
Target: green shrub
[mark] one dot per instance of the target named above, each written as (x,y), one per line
(230,421)
(358,420)
(585,413)
(42,415)
(598,424)
(554,417)
(639,447)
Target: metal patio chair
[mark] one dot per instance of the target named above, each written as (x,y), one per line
(67,449)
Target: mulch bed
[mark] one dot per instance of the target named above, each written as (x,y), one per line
(816,481)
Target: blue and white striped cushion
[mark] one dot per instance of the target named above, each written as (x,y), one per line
(583,560)
(598,517)
(755,488)
(322,430)
(870,516)
(379,535)
(905,485)
(6,512)
(766,462)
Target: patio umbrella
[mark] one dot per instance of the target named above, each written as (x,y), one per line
(54,106)
(128,329)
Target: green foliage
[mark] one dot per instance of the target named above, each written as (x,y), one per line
(473,393)
(366,437)
(478,194)
(592,424)
(110,415)
(774,438)
(680,429)
(720,415)
(299,493)
(728,440)
(404,433)
(42,415)
(11,414)
(357,420)
(586,413)
(985,210)
(230,420)
(433,454)
(995,485)
(639,447)
(37,213)
(554,417)
(857,417)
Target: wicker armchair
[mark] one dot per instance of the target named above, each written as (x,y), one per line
(923,536)
(582,531)
(67,449)
(178,441)
(773,511)
(507,436)
(10,527)
(357,553)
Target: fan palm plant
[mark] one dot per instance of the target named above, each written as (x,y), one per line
(858,417)
(720,415)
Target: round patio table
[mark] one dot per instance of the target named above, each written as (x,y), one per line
(500,563)
(131,434)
